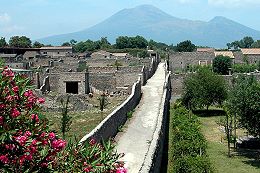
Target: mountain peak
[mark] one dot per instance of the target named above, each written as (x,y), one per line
(219,19)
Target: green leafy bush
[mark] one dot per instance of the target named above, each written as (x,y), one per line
(188,143)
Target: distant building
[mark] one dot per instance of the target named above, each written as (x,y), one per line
(56,51)
(205,49)
(252,55)
(225,53)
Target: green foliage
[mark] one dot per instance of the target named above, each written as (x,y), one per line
(244,100)
(88,45)
(89,157)
(66,119)
(222,65)
(103,102)
(2,62)
(188,143)
(20,42)
(143,54)
(246,42)
(203,88)
(244,68)
(65,44)
(131,42)
(256,44)
(185,46)
(82,66)
(130,114)
(37,44)
(3,42)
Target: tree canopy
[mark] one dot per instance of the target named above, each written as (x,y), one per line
(123,42)
(20,42)
(2,42)
(203,89)
(244,100)
(185,46)
(246,42)
(222,65)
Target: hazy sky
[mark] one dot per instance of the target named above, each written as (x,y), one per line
(40,18)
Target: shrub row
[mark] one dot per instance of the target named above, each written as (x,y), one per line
(188,143)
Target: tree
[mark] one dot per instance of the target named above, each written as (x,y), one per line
(37,44)
(104,43)
(66,119)
(256,44)
(66,44)
(203,89)
(185,46)
(20,42)
(244,101)
(247,42)
(222,65)
(2,42)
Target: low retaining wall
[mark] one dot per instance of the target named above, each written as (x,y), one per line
(153,159)
(109,126)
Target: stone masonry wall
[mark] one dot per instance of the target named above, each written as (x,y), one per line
(109,126)
(153,159)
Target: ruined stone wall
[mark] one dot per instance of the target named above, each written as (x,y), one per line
(102,81)
(181,60)
(109,126)
(114,69)
(72,77)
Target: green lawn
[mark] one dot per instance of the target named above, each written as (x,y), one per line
(242,161)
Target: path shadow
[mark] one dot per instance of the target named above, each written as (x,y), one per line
(209,113)
(253,156)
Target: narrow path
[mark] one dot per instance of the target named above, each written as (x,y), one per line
(135,140)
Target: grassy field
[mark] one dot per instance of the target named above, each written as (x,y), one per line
(84,121)
(242,161)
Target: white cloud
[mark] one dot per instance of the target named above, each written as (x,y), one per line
(233,3)
(4,18)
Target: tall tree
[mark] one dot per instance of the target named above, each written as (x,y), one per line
(185,46)
(20,42)
(222,65)
(37,44)
(2,42)
(203,89)
(244,100)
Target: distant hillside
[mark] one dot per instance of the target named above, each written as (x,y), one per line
(152,23)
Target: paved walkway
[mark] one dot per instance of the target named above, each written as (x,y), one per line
(135,139)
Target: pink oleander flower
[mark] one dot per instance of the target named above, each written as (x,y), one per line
(58,144)
(92,142)
(9,146)
(121,170)
(15,113)
(87,169)
(51,135)
(28,93)
(2,106)
(4,159)
(35,118)
(27,134)
(8,73)
(9,98)
(34,142)
(21,140)
(15,89)
(44,165)
(41,100)
(1,120)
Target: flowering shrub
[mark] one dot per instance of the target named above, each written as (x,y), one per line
(27,145)
(91,157)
